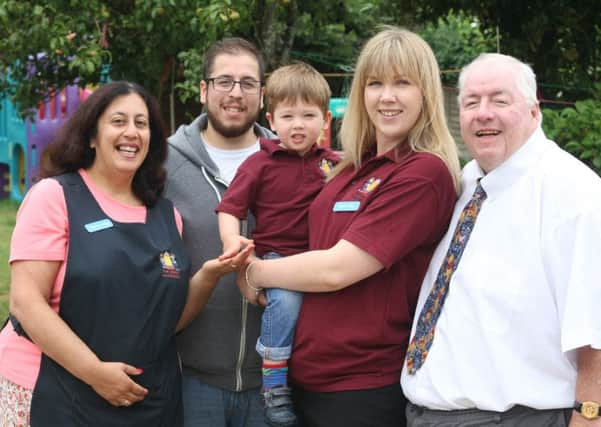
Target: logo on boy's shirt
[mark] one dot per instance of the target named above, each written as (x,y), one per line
(169,266)
(326,166)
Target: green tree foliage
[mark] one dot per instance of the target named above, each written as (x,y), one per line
(578,129)
(212,21)
(561,39)
(456,39)
(159,43)
(327,35)
(42,47)
(47,45)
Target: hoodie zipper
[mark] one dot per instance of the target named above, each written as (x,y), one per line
(244,231)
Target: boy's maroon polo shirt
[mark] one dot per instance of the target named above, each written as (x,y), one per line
(278,186)
(396,207)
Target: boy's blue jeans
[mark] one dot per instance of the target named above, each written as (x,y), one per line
(278,321)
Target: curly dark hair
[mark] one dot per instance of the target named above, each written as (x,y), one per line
(70,150)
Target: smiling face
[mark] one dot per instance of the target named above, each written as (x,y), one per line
(495,117)
(298,125)
(122,137)
(393,104)
(232,114)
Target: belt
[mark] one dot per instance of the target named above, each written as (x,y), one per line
(515,411)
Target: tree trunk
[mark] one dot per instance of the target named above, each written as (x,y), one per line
(276,35)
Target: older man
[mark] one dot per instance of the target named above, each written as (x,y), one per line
(507,329)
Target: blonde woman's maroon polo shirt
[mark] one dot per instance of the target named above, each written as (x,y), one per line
(396,207)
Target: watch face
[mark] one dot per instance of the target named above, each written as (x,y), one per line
(590,410)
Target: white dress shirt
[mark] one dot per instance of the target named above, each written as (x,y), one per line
(526,292)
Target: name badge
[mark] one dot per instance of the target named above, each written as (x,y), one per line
(95,226)
(346,206)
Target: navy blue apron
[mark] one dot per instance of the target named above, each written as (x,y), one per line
(125,288)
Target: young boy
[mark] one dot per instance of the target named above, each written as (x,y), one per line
(277,184)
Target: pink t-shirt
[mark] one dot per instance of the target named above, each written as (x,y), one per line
(42,233)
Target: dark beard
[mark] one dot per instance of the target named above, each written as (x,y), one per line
(231,131)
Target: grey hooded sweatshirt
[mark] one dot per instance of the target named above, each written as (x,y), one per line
(218,347)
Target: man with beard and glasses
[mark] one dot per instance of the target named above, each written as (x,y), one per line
(222,372)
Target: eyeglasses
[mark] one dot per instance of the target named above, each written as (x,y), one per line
(226,84)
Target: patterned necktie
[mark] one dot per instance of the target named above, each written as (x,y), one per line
(424,333)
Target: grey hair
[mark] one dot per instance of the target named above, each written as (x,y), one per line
(525,78)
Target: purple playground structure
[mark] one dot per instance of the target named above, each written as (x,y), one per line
(22,141)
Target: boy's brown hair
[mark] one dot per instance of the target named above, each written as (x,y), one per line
(297,81)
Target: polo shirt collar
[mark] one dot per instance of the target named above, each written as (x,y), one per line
(272,146)
(511,169)
(396,154)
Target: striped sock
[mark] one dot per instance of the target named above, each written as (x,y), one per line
(275,374)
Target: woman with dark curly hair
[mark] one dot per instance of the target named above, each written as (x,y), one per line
(100,281)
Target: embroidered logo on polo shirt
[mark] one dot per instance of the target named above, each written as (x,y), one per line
(169,265)
(369,185)
(326,166)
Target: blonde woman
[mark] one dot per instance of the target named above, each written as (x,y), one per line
(372,231)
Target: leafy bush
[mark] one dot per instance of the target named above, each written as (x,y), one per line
(578,129)
(457,39)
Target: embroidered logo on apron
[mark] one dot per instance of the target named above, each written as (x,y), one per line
(169,265)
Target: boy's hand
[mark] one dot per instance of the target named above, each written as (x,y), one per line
(232,245)
(223,265)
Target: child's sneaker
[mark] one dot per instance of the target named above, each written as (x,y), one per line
(278,407)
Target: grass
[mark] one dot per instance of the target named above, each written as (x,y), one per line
(8,211)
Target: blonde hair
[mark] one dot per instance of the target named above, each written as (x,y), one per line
(391,52)
(298,81)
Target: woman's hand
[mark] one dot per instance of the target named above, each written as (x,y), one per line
(250,291)
(206,279)
(111,380)
(232,245)
(228,263)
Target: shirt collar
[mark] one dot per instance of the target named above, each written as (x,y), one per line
(396,154)
(272,146)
